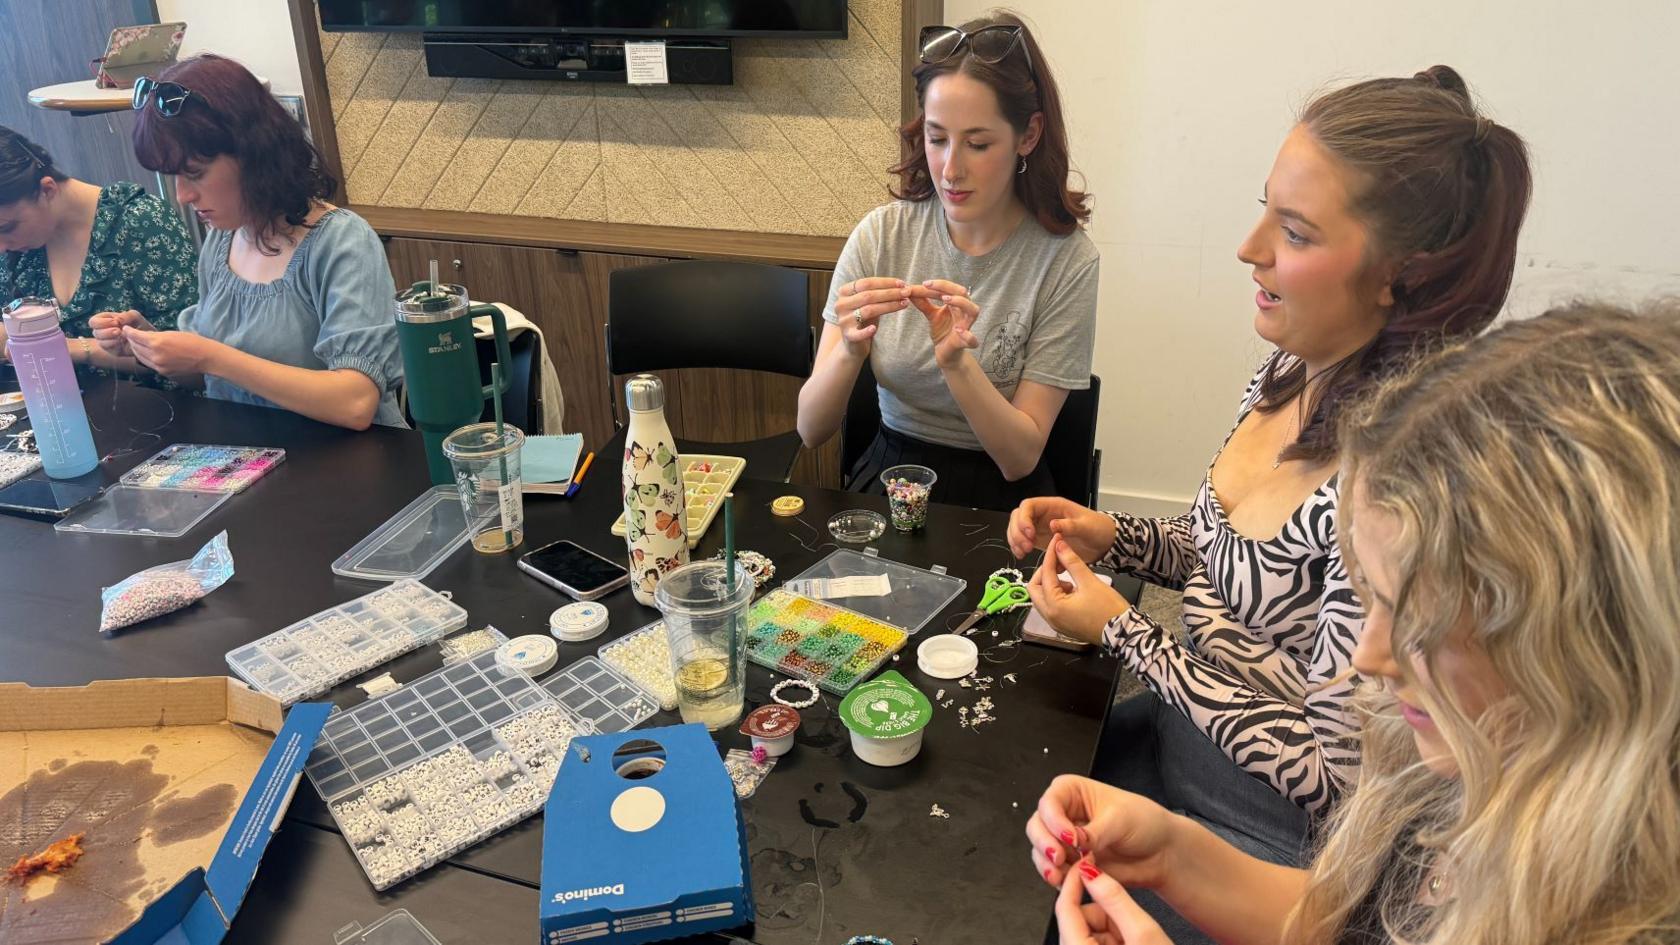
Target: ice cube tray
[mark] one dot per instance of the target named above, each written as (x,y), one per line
(455,756)
(201,467)
(600,696)
(319,652)
(810,639)
(644,657)
(705,479)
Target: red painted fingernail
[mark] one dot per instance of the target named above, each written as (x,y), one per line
(1050,854)
(1049,875)
(1089,869)
(1067,838)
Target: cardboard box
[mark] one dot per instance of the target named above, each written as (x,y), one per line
(177,785)
(643,841)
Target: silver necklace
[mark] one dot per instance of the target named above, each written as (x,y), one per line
(985,270)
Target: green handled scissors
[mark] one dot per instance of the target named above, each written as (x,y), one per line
(1004,592)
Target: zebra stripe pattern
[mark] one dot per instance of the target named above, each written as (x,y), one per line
(1266,622)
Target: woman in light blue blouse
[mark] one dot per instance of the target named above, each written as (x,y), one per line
(295,294)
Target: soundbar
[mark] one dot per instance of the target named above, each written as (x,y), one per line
(476,56)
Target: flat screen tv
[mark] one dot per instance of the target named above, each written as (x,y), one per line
(769,18)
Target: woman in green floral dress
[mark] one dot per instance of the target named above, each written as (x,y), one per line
(110,249)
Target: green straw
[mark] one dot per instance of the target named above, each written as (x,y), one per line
(496,386)
(729,540)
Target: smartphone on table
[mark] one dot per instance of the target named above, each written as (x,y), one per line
(574,570)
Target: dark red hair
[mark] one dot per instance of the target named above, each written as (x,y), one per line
(1021,92)
(281,174)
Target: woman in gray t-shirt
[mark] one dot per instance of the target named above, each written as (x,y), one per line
(294,294)
(972,297)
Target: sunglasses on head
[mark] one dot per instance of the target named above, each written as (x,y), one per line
(990,44)
(167,97)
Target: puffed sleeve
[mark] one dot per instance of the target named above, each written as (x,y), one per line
(349,283)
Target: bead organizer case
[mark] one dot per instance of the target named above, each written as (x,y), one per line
(809,639)
(316,653)
(600,696)
(917,596)
(198,467)
(705,479)
(644,657)
(455,756)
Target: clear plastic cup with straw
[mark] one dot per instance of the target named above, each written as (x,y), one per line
(704,612)
(487,475)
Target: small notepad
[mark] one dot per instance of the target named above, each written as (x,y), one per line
(547,463)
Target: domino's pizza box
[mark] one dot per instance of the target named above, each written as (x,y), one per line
(643,841)
(135,811)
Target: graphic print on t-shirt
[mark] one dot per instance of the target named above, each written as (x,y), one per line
(1002,352)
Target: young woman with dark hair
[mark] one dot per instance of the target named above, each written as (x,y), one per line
(1389,226)
(973,296)
(295,307)
(93,249)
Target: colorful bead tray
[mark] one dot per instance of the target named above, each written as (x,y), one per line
(809,639)
(705,480)
(197,467)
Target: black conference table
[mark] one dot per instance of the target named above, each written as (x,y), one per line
(837,847)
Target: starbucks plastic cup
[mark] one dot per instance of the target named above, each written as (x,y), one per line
(487,476)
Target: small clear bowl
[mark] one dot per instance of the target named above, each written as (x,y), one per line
(857,526)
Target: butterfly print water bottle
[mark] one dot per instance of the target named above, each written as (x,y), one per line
(654,525)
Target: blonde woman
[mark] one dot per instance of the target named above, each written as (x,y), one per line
(1513,529)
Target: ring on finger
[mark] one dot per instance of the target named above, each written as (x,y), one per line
(857,317)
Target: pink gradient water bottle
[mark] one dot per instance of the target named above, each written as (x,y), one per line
(48,379)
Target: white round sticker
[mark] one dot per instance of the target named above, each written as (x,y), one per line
(637,809)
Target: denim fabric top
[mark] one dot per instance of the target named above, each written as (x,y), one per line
(331,309)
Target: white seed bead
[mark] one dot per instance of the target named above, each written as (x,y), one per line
(644,657)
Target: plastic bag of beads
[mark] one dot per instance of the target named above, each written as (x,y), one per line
(167,587)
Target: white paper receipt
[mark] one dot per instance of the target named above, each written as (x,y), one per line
(856,585)
(508,499)
(644,63)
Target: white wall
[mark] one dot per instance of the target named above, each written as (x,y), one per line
(1176,109)
(258,33)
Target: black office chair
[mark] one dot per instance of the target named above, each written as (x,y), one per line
(1070,451)
(522,404)
(710,314)
(861,422)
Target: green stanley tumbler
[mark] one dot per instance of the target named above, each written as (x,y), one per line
(440,362)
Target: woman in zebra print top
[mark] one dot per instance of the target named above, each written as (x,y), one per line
(1362,259)
(1511,518)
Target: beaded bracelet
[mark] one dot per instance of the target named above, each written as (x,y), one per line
(776,693)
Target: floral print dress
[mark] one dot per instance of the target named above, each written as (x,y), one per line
(139,257)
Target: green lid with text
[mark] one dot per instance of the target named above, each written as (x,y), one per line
(886,707)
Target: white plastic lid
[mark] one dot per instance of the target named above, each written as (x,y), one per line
(533,654)
(575,623)
(947,656)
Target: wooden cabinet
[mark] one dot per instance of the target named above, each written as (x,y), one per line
(565,293)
